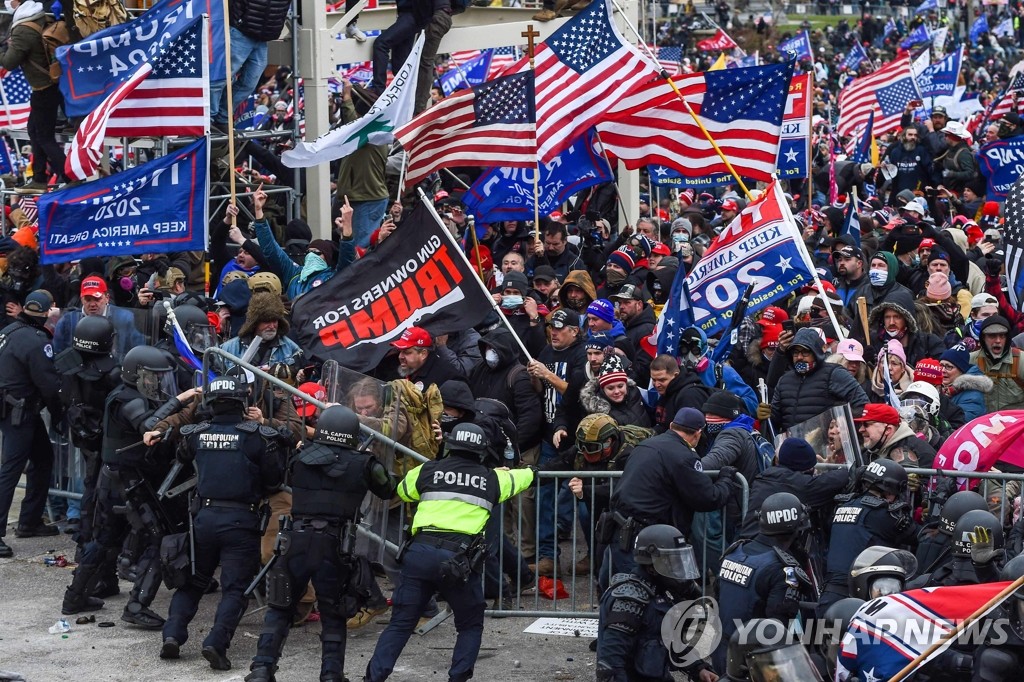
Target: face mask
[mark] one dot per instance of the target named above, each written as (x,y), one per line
(894,333)
(678,239)
(614,277)
(714,429)
(878,277)
(511,302)
(915,261)
(802,367)
(976,327)
(127,283)
(491,358)
(312,265)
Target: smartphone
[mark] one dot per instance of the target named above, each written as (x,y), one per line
(787,326)
(915,103)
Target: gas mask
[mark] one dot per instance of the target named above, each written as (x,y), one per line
(127,283)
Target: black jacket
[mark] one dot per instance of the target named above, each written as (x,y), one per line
(630,411)
(260,20)
(817,492)
(686,390)
(510,383)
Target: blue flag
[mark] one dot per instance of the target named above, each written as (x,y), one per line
(92,68)
(1000,162)
(154,208)
(245,116)
(890,27)
(676,316)
(6,165)
(507,193)
(862,154)
(851,225)
(940,78)
(918,36)
(926,6)
(663,176)
(799,45)
(978,27)
(471,72)
(855,57)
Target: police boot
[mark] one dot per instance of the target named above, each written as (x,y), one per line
(77,597)
(261,673)
(137,614)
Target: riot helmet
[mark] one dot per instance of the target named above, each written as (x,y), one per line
(1013,570)
(956,506)
(922,395)
(598,438)
(504,441)
(151,372)
(223,391)
(789,662)
(885,475)
(191,298)
(762,633)
(195,325)
(337,425)
(664,549)
(837,621)
(467,440)
(965,526)
(783,514)
(878,571)
(94,334)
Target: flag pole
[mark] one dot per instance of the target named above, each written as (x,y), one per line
(530,33)
(611,172)
(664,74)
(462,255)
(960,627)
(810,141)
(231,109)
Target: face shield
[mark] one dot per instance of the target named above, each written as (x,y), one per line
(200,337)
(677,563)
(157,385)
(885,585)
(782,665)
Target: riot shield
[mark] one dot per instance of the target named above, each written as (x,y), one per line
(832,434)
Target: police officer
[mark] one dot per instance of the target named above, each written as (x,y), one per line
(968,565)
(875,514)
(28,382)
(456,495)
(238,463)
(125,498)
(880,571)
(88,373)
(629,640)
(329,479)
(1001,660)
(934,546)
(759,578)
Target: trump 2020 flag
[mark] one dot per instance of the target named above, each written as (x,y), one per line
(1000,161)
(918,36)
(507,193)
(799,45)
(761,245)
(417,276)
(391,110)
(939,79)
(889,632)
(979,27)
(153,208)
(794,157)
(855,57)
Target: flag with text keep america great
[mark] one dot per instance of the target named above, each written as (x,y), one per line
(415,277)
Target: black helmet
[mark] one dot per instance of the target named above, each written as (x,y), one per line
(199,333)
(878,571)
(1014,569)
(191,298)
(337,425)
(665,550)
(885,475)
(965,526)
(836,622)
(783,514)
(490,412)
(468,438)
(150,371)
(771,632)
(227,388)
(956,506)
(94,334)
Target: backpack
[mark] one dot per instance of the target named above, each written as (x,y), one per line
(632,435)
(54,34)
(91,16)
(765,451)
(422,408)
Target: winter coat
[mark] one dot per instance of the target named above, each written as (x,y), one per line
(630,411)
(916,344)
(25,46)
(753,365)
(904,445)
(288,271)
(686,390)
(734,446)
(580,278)
(568,261)
(261,20)
(817,491)
(510,383)
(958,166)
(798,397)
(1006,393)
(968,392)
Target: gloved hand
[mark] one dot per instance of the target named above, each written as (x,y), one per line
(764,411)
(727,473)
(993,266)
(983,549)
(536,476)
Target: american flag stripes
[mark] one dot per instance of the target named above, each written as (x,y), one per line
(1013,240)
(1005,103)
(886,92)
(741,108)
(669,58)
(581,70)
(14,105)
(493,124)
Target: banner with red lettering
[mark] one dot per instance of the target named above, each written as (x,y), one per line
(979,444)
(414,277)
(717,42)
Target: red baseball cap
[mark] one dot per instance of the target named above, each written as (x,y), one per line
(730,205)
(414,337)
(313,390)
(93,286)
(661,249)
(877,412)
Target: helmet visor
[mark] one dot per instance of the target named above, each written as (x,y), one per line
(156,384)
(677,563)
(200,337)
(885,585)
(782,665)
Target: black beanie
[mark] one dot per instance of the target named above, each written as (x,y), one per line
(723,404)
(797,454)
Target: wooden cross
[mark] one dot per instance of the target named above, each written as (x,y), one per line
(530,33)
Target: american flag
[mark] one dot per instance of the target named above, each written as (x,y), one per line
(15,105)
(1013,240)
(174,100)
(669,58)
(583,69)
(493,124)
(741,109)
(1005,104)
(28,207)
(501,59)
(886,92)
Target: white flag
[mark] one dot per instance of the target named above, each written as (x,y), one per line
(391,110)
(939,40)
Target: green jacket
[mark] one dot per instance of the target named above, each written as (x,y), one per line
(25,49)
(361,175)
(1007,375)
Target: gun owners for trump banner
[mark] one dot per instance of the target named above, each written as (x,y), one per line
(153,208)
(416,276)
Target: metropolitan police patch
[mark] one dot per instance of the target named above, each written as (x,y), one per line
(48,350)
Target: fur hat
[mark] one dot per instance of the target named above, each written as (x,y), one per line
(264,307)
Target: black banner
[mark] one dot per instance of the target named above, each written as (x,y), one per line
(414,278)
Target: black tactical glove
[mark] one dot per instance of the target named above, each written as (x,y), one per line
(993,266)
(727,473)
